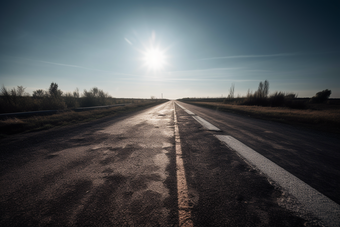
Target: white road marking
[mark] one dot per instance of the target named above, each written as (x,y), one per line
(180,105)
(189,112)
(315,202)
(200,120)
(184,205)
(186,110)
(206,124)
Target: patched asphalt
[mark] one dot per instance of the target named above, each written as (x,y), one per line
(121,171)
(117,172)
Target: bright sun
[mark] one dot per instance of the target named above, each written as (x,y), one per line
(154,59)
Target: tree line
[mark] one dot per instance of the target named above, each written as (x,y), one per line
(261,97)
(17,100)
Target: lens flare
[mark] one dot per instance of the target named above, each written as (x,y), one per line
(154,59)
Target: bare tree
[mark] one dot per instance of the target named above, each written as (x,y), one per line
(4,91)
(249,93)
(54,91)
(76,93)
(6,94)
(260,90)
(266,89)
(95,92)
(231,91)
(38,93)
(20,90)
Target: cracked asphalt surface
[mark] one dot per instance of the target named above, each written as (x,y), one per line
(121,171)
(118,172)
(310,155)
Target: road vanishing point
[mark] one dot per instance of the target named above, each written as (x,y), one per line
(173,164)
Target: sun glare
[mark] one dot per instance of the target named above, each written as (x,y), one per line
(154,59)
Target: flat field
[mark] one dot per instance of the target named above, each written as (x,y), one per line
(36,123)
(319,116)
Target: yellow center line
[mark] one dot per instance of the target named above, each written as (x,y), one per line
(184,205)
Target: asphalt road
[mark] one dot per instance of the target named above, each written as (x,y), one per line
(311,156)
(123,171)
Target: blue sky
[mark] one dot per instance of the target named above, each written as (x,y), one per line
(207,45)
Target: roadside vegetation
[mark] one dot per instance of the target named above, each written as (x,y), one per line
(16,125)
(318,112)
(16,100)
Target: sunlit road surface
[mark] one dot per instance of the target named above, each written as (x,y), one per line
(161,167)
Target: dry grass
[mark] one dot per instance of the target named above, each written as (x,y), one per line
(326,119)
(35,123)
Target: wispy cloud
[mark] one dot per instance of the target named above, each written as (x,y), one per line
(205,70)
(68,65)
(251,56)
(268,55)
(60,64)
(81,67)
(208,80)
(128,41)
